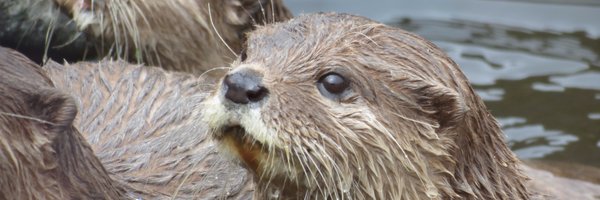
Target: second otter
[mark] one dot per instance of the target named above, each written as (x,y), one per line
(182,35)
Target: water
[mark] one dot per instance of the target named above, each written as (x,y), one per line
(537,65)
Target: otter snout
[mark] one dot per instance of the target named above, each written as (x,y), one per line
(244,86)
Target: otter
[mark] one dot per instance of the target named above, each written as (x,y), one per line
(144,124)
(107,130)
(42,155)
(336,106)
(183,35)
(39,30)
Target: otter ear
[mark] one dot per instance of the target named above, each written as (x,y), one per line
(56,109)
(442,104)
(241,12)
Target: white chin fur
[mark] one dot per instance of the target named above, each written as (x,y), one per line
(216,115)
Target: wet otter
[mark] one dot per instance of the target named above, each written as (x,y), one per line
(42,156)
(183,35)
(144,125)
(335,106)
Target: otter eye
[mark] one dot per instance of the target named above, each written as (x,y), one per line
(333,85)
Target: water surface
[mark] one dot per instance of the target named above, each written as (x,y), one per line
(537,65)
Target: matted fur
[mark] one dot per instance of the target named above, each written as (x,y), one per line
(144,125)
(42,156)
(183,35)
(410,128)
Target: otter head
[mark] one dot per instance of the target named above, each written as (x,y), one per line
(334,106)
(183,35)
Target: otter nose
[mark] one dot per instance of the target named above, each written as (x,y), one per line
(244,87)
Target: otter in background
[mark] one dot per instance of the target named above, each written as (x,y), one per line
(183,35)
(39,30)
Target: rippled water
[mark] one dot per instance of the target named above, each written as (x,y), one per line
(536,65)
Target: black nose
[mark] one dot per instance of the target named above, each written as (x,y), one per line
(244,86)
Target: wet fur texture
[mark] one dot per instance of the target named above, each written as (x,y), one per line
(410,128)
(144,125)
(42,155)
(183,35)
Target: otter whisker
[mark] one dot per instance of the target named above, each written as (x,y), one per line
(48,38)
(335,171)
(271,174)
(325,164)
(213,69)
(415,120)
(272,11)
(294,158)
(68,42)
(262,10)
(116,29)
(28,118)
(308,160)
(250,15)
(324,178)
(301,162)
(212,23)
(265,173)
(102,29)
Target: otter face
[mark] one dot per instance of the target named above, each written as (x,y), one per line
(338,106)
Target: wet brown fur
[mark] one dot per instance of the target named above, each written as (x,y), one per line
(183,35)
(411,128)
(42,155)
(144,125)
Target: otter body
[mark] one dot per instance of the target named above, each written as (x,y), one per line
(144,125)
(183,35)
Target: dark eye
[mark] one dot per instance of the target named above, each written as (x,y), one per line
(332,85)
